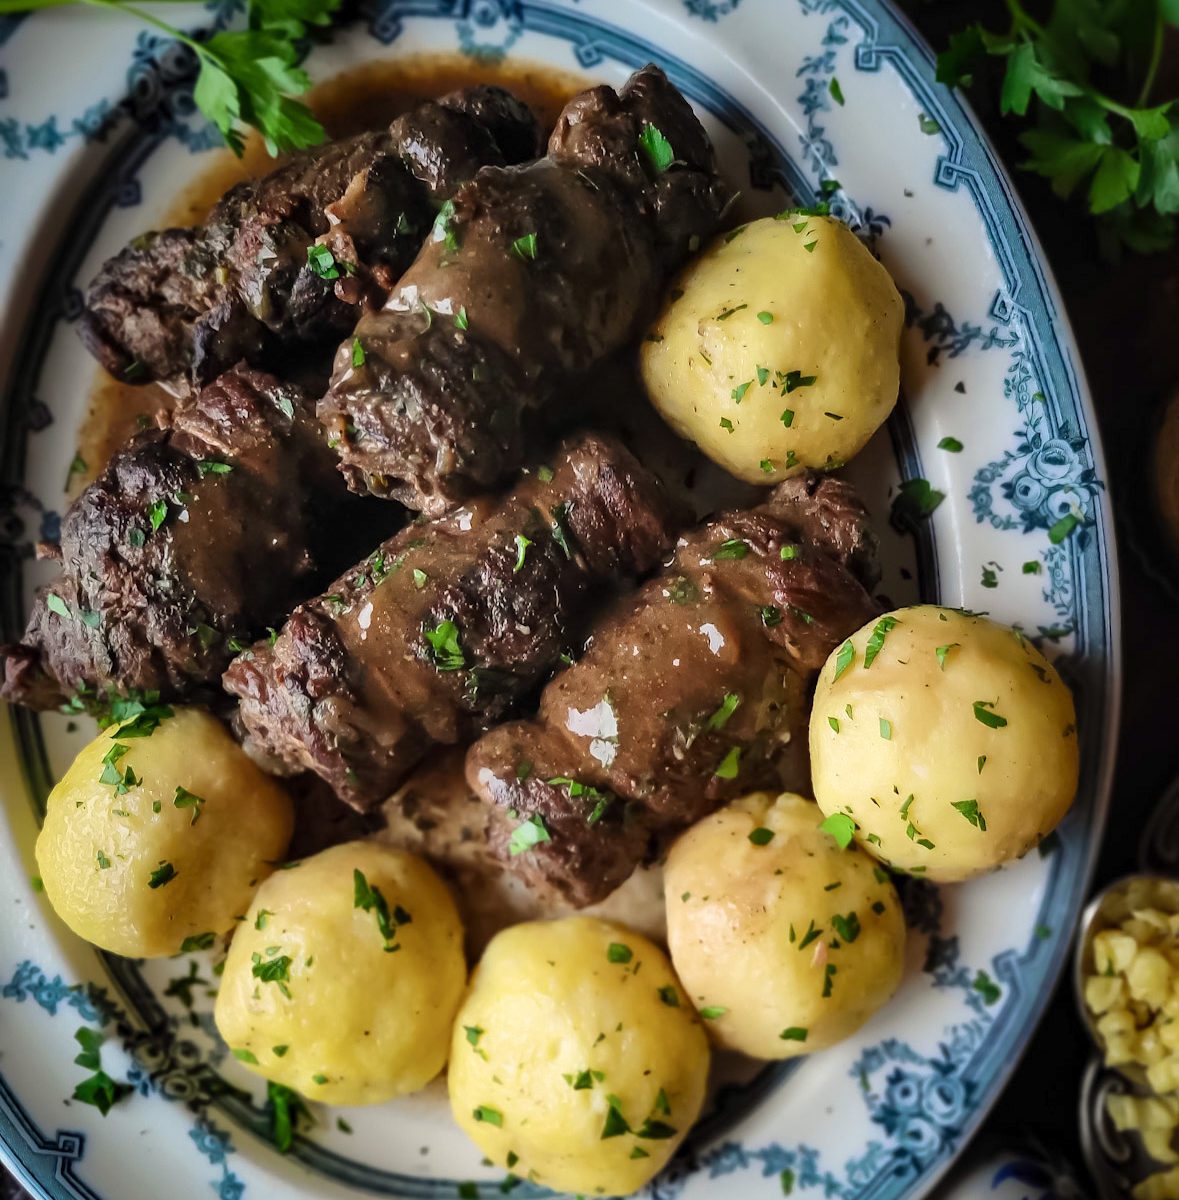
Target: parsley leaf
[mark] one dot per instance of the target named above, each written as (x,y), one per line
(445,651)
(656,149)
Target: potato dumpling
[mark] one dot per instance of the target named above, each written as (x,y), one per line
(158,835)
(779,348)
(344,978)
(786,942)
(577,1060)
(947,740)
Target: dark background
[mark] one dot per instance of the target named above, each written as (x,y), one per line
(1126,319)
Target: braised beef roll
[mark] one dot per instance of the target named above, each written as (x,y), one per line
(530,275)
(193,539)
(442,631)
(687,694)
(189,303)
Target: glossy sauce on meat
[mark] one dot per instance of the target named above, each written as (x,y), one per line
(369,96)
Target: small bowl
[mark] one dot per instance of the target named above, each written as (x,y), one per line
(1109,908)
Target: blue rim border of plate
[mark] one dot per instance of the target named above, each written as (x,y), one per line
(1019,255)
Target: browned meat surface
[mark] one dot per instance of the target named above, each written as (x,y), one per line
(437,816)
(193,537)
(450,623)
(687,696)
(530,275)
(188,303)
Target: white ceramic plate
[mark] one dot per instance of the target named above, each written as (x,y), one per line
(1024,533)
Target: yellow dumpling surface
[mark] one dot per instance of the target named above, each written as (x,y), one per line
(150,840)
(787,942)
(343,980)
(948,740)
(778,347)
(577,1061)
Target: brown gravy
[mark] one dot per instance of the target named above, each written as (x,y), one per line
(364,97)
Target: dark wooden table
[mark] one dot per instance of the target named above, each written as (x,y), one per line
(1126,318)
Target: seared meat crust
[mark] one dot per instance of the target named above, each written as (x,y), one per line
(193,535)
(686,693)
(545,269)
(188,303)
(449,624)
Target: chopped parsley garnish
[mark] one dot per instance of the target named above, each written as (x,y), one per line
(669,996)
(790,380)
(371,899)
(656,149)
(615,1124)
(525,247)
(492,1116)
(682,591)
(969,809)
(770,616)
(942,651)
(915,500)
(544,474)
(828,979)
(322,262)
(812,934)
(845,656)
(1032,568)
(616,952)
(767,465)
(847,928)
(474,1033)
(885,729)
(841,827)
(730,765)
(358,358)
(319,1078)
(580,1082)
(836,91)
(460,318)
(986,987)
(104,863)
(560,528)
(206,466)
(56,604)
(720,718)
(876,641)
(950,443)
(713,1012)
(787,417)
(795,1033)
(738,393)
(731,548)
(443,231)
(246,1056)
(163,874)
(528,834)
(983,712)
(726,424)
(157,513)
(728,312)
(766,318)
(286,1107)
(982,762)
(275,970)
(522,544)
(1063,528)
(761,836)
(445,651)
(834,723)
(834,416)
(186,799)
(199,941)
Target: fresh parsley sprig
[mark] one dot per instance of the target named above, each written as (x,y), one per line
(247,76)
(1085,76)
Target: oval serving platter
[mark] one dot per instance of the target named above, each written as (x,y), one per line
(99,134)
